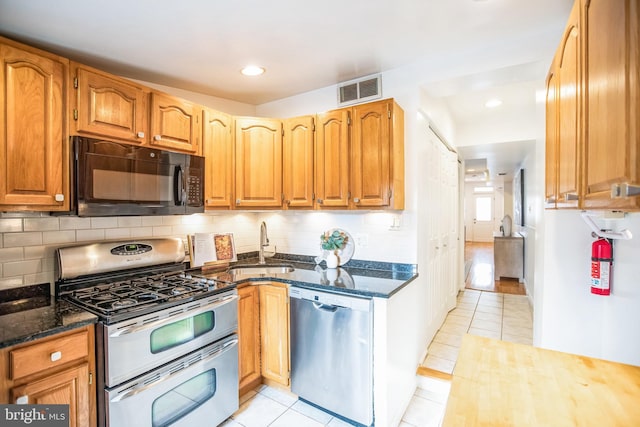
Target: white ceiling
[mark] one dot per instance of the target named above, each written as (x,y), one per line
(201,45)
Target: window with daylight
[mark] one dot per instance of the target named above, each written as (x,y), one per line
(484,208)
(483,189)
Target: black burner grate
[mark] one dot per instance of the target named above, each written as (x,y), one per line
(141,292)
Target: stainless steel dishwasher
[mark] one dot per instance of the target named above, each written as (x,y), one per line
(332,352)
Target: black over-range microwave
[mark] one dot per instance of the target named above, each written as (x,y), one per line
(111,178)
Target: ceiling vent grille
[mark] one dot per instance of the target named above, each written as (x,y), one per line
(360,90)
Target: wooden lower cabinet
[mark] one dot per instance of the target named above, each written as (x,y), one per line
(69,387)
(249,338)
(263,329)
(53,370)
(274,328)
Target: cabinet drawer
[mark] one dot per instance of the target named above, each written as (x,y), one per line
(44,355)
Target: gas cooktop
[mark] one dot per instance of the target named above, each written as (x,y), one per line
(125,296)
(122,280)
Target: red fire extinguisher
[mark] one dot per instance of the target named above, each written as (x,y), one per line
(601,266)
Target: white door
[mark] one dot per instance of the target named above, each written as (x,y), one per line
(483,218)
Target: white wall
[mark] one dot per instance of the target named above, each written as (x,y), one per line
(510,125)
(225,105)
(573,319)
(530,207)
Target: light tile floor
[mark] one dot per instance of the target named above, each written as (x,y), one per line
(489,314)
(268,406)
(496,315)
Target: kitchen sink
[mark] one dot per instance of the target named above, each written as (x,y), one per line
(259,269)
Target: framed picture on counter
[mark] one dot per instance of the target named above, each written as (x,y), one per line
(211,248)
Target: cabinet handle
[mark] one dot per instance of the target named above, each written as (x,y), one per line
(356,200)
(56,355)
(320,201)
(157,137)
(570,196)
(625,190)
(141,135)
(22,400)
(237,201)
(615,191)
(59,197)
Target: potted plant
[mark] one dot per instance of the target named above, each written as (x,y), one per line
(333,241)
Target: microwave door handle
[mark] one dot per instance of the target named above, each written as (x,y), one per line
(136,390)
(178,185)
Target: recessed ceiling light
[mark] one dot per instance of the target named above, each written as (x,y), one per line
(493,103)
(252,70)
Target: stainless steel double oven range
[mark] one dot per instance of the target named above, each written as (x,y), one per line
(166,343)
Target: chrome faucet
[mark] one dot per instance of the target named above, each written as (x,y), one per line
(264,241)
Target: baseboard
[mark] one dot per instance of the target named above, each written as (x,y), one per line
(428,372)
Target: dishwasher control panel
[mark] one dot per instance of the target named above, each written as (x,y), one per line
(331,299)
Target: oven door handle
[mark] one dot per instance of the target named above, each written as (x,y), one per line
(136,390)
(177,317)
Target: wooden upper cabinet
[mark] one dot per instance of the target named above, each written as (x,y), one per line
(551,145)
(611,107)
(297,160)
(377,155)
(258,163)
(274,332)
(107,106)
(370,155)
(332,159)
(568,113)
(217,148)
(175,124)
(34,145)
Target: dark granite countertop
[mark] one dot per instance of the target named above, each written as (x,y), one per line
(364,278)
(29,313)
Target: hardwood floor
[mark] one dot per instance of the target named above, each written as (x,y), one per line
(478,261)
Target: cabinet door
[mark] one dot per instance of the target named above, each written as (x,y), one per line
(611,94)
(109,107)
(370,155)
(551,146)
(249,338)
(274,327)
(569,88)
(258,153)
(332,159)
(175,124)
(33,131)
(69,387)
(297,162)
(217,149)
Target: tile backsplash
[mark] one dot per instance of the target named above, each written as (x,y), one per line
(28,241)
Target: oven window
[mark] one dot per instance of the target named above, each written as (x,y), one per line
(183,399)
(180,332)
